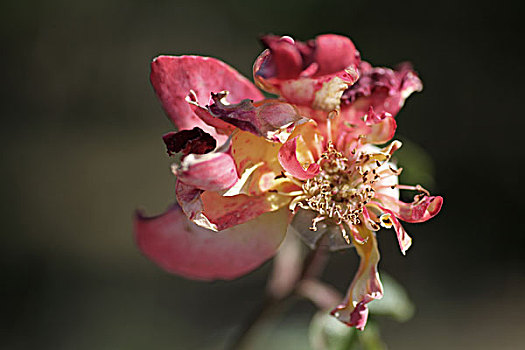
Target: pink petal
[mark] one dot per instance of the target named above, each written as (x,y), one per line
(181,247)
(174,76)
(373,127)
(422,209)
(212,171)
(366,285)
(289,162)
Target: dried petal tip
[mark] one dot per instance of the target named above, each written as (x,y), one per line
(267,118)
(189,141)
(356,318)
(383,89)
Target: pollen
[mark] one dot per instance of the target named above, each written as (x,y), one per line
(386,220)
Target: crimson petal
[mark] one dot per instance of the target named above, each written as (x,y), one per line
(334,53)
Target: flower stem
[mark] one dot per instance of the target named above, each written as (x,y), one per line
(313,266)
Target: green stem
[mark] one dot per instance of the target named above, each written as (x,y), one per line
(313,265)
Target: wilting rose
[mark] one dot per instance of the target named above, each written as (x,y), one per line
(248,164)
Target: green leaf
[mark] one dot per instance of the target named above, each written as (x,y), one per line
(370,338)
(327,333)
(395,302)
(418,167)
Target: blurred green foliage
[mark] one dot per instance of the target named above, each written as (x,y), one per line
(418,166)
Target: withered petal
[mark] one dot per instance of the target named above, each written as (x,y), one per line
(194,141)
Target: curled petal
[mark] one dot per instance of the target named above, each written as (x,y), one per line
(404,240)
(173,77)
(212,171)
(422,209)
(215,212)
(381,127)
(312,74)
(326,54)
(189,141)
(290,163)
(366,285)
(268,118)
(181,247)
(311,144)
(285,61)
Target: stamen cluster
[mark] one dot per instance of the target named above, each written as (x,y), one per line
(343,187)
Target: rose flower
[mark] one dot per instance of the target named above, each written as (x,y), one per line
(247,165)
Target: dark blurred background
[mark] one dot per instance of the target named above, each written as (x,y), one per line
(81,150)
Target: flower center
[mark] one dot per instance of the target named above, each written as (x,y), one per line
(343,187)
